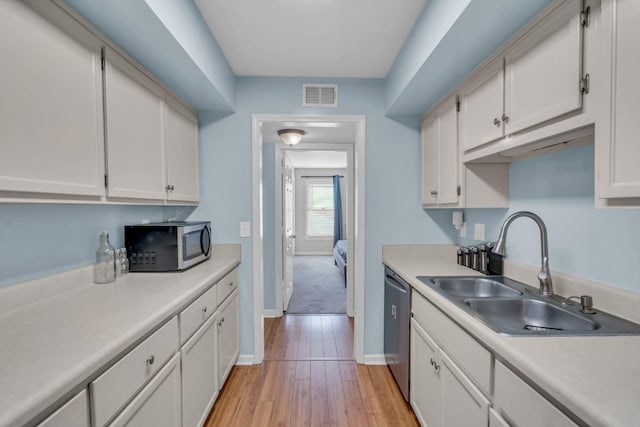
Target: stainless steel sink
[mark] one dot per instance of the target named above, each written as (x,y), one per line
(510,307)
(477,287)
(526,314)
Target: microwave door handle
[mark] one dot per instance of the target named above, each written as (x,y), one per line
(205,250)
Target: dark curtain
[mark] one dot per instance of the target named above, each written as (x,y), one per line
(337,210)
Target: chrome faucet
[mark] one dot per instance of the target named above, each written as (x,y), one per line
(544,276)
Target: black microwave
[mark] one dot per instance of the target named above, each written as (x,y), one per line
(167,246)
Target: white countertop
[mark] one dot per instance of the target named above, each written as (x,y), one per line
(596,378)
(54,346)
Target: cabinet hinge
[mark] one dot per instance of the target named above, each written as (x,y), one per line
(106,180)
(584,84)
(585,17)
(458,104)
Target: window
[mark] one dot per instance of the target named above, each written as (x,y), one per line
(319,208)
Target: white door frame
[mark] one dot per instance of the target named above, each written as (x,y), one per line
(356,262)
(347,148)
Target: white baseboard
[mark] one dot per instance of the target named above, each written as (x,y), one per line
(245,359)
(374,359)
(270,313)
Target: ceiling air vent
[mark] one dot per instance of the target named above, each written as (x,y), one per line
(319,95)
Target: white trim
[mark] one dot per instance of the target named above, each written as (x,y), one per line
(271,313)
(374,359)
(245,360)
(356,245)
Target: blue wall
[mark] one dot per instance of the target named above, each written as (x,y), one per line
(602,245)
(38,240)
(393,209)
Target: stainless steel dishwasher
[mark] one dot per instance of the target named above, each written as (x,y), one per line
(397,318)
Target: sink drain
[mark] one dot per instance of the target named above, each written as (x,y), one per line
(541,328)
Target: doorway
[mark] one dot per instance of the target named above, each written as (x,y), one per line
(315,216)
(265,131)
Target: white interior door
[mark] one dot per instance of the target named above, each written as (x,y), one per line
(288,235)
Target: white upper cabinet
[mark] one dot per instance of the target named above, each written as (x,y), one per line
(51,102)
(543,71)
(440,156)
(536,81)
(482,107)
(618,125)
(181,132)
(134,123)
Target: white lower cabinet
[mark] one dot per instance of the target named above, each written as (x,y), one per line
(158,404)
(74,413)
(228,340)
(522,405)
(495,420)
(200,374)
(441,394)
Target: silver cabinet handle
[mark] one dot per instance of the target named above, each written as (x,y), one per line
(505,118)
(150,360)
(496,121)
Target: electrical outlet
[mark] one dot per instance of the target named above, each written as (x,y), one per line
(478,231)
(245,229)
(463,230)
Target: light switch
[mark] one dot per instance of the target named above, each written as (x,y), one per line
(478,231)
(245,229)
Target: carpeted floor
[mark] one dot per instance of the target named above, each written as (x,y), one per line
(318,287)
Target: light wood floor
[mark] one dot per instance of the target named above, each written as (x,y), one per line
(309,378)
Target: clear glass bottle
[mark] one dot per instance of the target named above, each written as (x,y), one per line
(105,267)
(124,261)
(118,262)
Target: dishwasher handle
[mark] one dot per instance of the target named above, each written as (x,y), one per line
(401,287)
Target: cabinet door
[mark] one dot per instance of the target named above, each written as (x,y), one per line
(448,154)
(425,385)
(51,122)
(462,403)
(74,413)
(199,374)
(495,420)
(618,127)
(429,136)
(482,106)
(134,121)
(228,345)
(158,404)
(543,71)
(181,131)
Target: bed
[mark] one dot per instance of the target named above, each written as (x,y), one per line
(340,258)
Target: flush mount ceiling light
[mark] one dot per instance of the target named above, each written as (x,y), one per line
(291,136)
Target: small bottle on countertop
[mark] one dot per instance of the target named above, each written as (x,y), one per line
(124,262)
(104,270)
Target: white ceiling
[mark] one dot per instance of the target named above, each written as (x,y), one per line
(318,159)
(311,38)
(316,132)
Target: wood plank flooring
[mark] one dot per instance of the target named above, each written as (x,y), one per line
(309,378)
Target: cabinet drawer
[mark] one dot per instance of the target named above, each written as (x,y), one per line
(74,413)
(158,404)
(469,355)
(522,405)
(113,389)
(227,285)
(192,317)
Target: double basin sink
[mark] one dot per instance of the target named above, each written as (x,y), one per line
(513,308)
